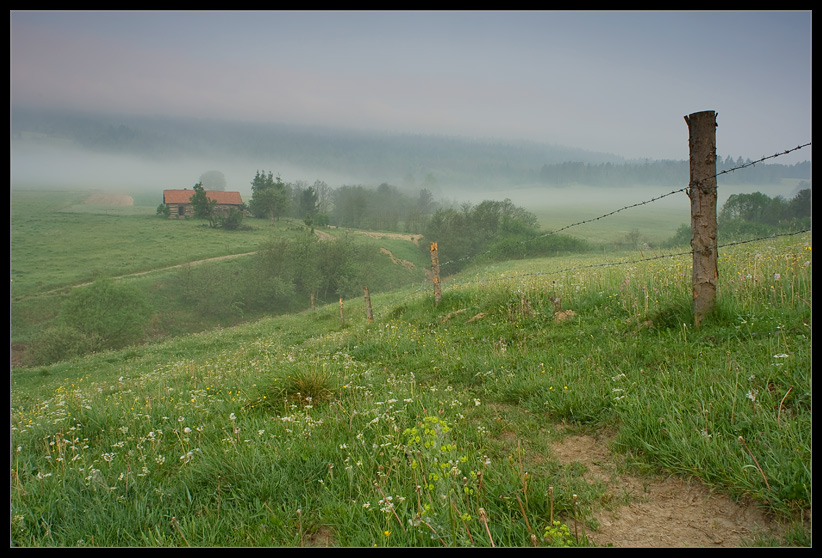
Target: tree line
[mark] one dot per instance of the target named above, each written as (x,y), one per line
(385,207)
(756,215)
(491,231)
(495,229)
(666,173)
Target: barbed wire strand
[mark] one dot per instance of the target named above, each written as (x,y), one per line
(753,163)
(634,205)
(423,288)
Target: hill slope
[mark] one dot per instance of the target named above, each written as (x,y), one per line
(473,422)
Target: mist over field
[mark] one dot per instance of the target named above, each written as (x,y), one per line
(454,102)
(127,151)
(463,274)
(55,160)
(130,154)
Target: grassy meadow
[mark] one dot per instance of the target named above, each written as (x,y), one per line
(556,208)
(431,425)
(59,242)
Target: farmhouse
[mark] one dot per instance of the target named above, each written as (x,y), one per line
(179,205)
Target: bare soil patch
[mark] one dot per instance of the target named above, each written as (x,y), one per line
(405,263)
(323,235)
(415,238)
(659,512)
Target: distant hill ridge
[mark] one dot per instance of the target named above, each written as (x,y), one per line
(378,157)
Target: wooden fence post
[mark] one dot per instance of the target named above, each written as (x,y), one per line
(435,267)
(368,313)
(342,315)
(702,192)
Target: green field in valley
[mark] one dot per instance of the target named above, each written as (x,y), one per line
(432,425)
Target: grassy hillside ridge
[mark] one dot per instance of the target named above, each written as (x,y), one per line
(59,242)
(432,425)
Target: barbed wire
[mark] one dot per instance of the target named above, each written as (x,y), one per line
(752,163)
(638,204)
(425,286)
(627,262)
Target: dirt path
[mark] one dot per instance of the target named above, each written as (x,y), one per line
(659,512)
(415,238)
(320,234)
(138,273)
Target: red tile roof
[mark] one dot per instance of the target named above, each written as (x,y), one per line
(184,196)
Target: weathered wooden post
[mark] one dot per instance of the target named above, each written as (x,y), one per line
(435,267)
(342,315)
(368,313)
(702,192)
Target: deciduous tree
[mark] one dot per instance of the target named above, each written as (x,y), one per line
(204,207)
(269,196)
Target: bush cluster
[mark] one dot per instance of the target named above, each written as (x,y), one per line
(104,315)
(491,230)
(282,277)
(756,215)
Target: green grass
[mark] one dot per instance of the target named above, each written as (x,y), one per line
(556,208)
(431,426)
(58,242)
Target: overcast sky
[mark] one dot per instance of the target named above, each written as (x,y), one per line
(617,82)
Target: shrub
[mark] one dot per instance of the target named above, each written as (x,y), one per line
(58,342)
(233,221)
(113,314)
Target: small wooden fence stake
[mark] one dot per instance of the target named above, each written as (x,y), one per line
(435,267)
(368,313)
(342,315)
